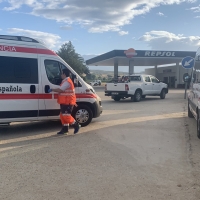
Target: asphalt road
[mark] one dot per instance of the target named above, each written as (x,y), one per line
(134,151)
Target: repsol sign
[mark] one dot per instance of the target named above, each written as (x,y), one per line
(10,89)
(159,54)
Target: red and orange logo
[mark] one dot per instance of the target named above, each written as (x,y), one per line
(130,53)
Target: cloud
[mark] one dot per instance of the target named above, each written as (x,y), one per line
(160,14)
(65,28)
(19,3)
(163,40)
(197,17)
(95,15)
(195,9)
(123,33)
(50,40)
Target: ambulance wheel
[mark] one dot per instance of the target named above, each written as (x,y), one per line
(83,115)
(190,115)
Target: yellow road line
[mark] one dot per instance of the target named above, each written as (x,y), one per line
(100,125)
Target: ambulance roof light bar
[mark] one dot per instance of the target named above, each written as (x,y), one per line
(18,38)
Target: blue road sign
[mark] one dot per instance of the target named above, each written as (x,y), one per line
(188,62)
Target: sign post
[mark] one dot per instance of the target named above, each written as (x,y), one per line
(186,85)
(185,79)
(187,63)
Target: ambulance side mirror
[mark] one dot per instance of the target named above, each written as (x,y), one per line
(46,88)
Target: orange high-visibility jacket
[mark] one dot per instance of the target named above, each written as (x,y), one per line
(68,97)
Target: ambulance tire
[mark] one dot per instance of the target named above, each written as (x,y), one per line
(86,115)
(190,115)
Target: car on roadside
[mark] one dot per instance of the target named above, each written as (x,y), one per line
(99,82)
(136,87)
(95,83)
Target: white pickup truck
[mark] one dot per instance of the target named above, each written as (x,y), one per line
(137,87)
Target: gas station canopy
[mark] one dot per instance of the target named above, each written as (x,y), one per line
(139,58)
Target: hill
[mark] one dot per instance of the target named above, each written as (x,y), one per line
(105,73)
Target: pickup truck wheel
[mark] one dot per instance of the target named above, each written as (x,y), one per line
(163,94)
(83,115)
(137,96)
(198,126)
(190,115)
(116,98)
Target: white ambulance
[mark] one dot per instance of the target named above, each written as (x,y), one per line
(27,70)
(194,92)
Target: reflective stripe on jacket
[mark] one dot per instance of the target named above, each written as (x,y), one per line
(68,97)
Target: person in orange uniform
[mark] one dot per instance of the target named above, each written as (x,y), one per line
(67,100)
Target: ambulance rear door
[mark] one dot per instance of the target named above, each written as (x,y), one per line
(19,83)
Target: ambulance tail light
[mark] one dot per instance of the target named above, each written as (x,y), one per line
(126,87)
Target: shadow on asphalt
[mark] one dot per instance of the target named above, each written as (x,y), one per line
(30,128)
(129,100)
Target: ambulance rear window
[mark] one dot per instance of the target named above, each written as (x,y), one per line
(18,70)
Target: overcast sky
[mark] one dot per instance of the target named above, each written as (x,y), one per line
(96,27)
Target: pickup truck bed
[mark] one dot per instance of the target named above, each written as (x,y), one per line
(137,87)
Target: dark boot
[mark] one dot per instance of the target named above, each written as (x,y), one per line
(64,130)
(76,126)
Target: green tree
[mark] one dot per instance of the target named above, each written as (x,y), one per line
(93,76)
(109,76)
(89,76)
(74,60)
(99,77)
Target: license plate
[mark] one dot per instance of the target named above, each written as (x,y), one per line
(115,93)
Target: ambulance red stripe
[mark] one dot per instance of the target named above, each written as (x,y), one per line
(40,96)
(18,49)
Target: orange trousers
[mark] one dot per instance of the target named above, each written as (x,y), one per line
(65,115)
